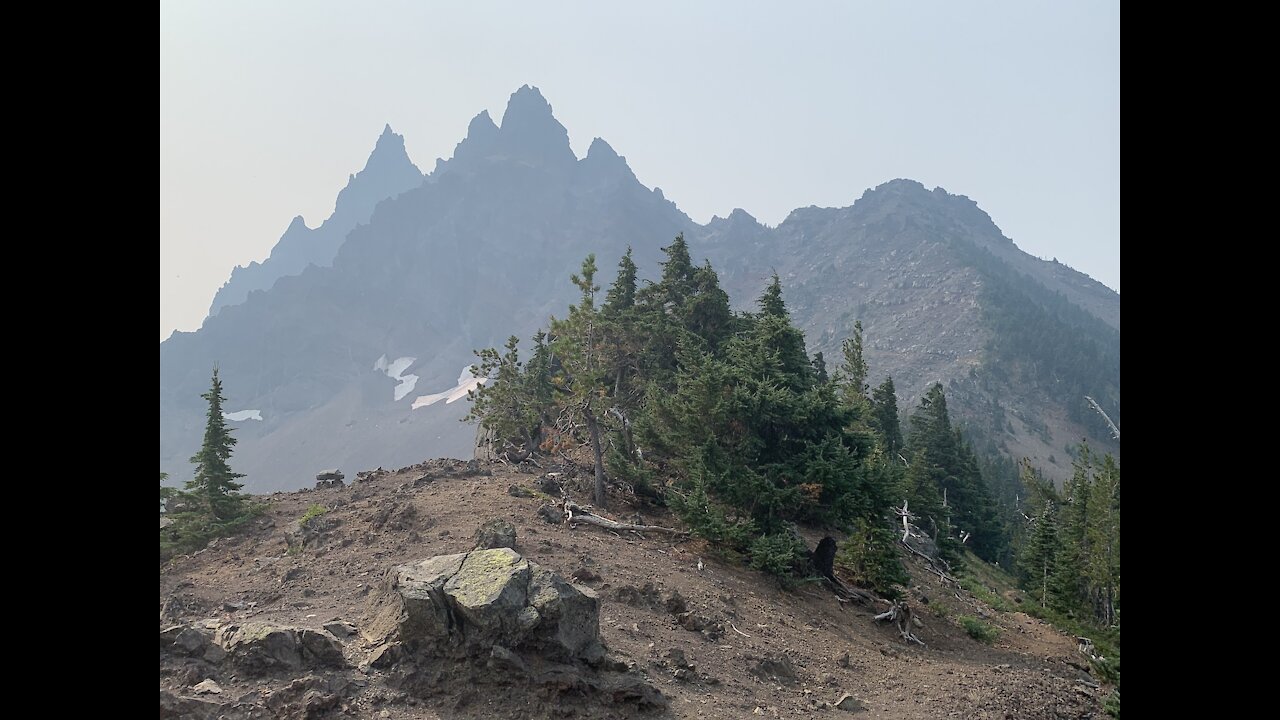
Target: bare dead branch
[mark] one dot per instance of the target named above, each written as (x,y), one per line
(900,614)
(1115,431)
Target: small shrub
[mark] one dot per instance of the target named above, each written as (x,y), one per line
(780,554)
(313,512)
(870,556)
(978,630)
(192,530)
(708,519)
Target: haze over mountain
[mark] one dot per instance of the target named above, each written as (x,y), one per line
(384,302)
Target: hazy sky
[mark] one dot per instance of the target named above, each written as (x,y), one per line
(266,108)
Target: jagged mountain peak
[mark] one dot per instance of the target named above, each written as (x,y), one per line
(603,165)
(482,125)
(601,149)
(736,216)
(481,142)
(527,105)
(388,156)
(531,133)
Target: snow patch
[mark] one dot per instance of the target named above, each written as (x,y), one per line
(243,415)
(466,383)
(394,370)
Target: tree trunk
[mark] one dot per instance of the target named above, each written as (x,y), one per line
(593,427)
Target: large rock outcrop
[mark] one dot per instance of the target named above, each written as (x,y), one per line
(490,618)
(465,605)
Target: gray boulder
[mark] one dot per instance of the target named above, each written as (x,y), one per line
(495,534)
(465,605)
(329,478)
(259,648)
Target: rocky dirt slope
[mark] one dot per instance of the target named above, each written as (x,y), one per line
(716,639)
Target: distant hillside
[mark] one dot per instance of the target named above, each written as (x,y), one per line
(943,296)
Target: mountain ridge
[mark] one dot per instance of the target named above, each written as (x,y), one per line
(387,172)
(482,248)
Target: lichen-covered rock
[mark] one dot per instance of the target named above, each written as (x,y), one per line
(465,605)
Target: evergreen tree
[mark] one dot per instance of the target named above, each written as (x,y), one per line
(579,345)
(1069,585)
(975,509)
(214,486)
(945,481)
(662,323)
(622,295)
(884,416)
(820,368)
(513,404)
(931,478)
(772,332)
(770,302)
(1039,554)
(706,312)
(623,350)
(676,284)
(1103,535)
(853,371)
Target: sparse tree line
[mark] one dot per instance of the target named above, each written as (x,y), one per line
(1070,557)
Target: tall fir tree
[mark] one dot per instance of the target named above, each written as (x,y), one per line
(820,368)
(1070,586)
(853,370)
(1103,533)
(774,333)
(1039,554)
(884,414)
(214,486)
(622,295)
(580,346)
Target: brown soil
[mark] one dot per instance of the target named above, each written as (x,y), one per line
(1031,670)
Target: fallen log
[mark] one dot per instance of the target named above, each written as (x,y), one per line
(575,513)
(848,593)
